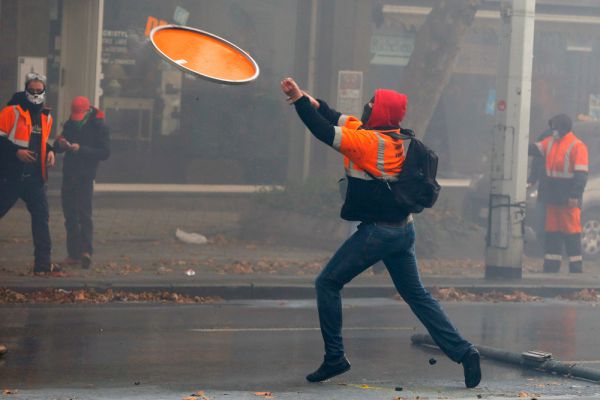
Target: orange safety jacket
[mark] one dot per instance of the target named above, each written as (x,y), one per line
(16,127)
(564,156)
(369,156)
(369,153)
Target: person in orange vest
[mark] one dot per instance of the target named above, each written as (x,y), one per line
(566,171)
(25,155)
(374,149)
(86,141)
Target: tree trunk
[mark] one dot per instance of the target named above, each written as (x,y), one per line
(431,64)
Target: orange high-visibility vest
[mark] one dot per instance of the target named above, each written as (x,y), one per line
(564,156)
(16,126)
(369,151)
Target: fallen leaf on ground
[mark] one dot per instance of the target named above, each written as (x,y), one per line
(199,395)
(582,295)
(90,296)
(454,294)
(9,391)
(266,395)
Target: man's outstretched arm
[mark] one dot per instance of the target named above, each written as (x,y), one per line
(320,127)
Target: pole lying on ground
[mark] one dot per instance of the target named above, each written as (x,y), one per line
(531,359)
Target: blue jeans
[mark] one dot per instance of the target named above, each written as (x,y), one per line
(396,247)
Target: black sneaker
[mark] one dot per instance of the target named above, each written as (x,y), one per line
(86,261)
(329,369)
(471,367)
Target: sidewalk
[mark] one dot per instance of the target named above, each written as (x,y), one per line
(136,251)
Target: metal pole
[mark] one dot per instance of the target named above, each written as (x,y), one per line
(98,67)
(546,365)
(310,84)
(504,247)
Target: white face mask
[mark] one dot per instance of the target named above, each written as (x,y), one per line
(36,98)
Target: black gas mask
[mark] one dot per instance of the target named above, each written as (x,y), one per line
(367,110)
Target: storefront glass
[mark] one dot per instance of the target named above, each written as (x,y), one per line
(168,126)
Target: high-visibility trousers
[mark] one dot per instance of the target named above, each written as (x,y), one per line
(563,228)
(563,219)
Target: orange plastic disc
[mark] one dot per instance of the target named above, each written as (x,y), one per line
(204,54)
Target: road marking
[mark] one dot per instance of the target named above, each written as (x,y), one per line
(352,328)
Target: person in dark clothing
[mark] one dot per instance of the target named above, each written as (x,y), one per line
(86,141)
(25,154)
(375,149)
(537,175)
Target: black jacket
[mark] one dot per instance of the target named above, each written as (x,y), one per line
(11,168)
(94,146)
(365,200)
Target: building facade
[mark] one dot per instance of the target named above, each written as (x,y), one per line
(169,127)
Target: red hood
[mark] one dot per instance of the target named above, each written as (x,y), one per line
(389,108)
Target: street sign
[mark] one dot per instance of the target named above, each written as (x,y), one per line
(350,92)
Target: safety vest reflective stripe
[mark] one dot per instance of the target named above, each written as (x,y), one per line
(356,173)
(49,123)
(337,137)
(550,144)
(3,134)
(22,143)
(381,155)
(343,119)
(360,174)
(540,147)
(13,131)
(581,168)
(555,174)
(568,157)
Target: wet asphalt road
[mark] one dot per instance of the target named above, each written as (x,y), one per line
(234,349)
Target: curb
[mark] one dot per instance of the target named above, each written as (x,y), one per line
(294,292)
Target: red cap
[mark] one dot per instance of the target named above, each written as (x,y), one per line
(79,108)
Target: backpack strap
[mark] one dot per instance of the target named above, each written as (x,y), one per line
(406,135)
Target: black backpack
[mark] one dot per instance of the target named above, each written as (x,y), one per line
(416,187)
